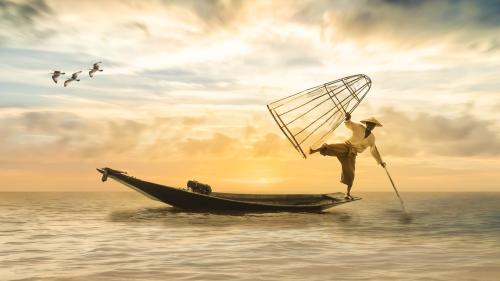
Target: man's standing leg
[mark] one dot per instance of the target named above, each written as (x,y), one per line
(348,162)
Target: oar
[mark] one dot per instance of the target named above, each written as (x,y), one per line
(395,189)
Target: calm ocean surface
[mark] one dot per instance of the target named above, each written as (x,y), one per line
(125,236)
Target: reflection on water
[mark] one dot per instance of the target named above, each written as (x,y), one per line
(110,236)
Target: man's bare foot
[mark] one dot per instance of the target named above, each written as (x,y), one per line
(348,197)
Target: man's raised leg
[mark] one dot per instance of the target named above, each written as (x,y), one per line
(311,151)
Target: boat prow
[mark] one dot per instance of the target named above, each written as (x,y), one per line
(187,199)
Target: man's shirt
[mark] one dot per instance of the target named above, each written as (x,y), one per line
(359,142)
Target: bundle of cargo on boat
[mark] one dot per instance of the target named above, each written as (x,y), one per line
(199,187)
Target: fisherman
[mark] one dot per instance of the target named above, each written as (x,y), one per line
(346,152)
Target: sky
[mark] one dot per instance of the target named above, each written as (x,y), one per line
(185,86)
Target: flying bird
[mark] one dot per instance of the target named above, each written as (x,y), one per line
(74,77)
(56,75)
(95,69)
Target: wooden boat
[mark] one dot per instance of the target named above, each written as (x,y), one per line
(187,199)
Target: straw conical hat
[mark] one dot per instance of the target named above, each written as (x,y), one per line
(372,120)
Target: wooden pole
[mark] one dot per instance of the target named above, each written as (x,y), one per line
(395,189)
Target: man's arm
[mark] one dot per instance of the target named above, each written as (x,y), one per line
(348,122)
(347,116)
(376,155)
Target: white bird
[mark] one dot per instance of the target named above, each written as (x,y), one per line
(74,77)
(95,69)
(56,75)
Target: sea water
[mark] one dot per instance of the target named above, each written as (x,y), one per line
(124,236)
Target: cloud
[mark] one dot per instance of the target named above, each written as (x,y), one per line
(50,135)
(20,19)
(434,134)
(171,24)
(405,24)
(23,13)
(193,121)
(217,144)
(272,145)
(199,78)
(66,134)
(213,12)
(140,26)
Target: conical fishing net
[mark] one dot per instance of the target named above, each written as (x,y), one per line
(309,117)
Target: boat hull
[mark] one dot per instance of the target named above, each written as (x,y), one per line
(185,199)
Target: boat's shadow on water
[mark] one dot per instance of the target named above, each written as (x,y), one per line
(188,217)
(352,219)
(141,215)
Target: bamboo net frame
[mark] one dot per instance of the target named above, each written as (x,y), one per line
(309,117)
